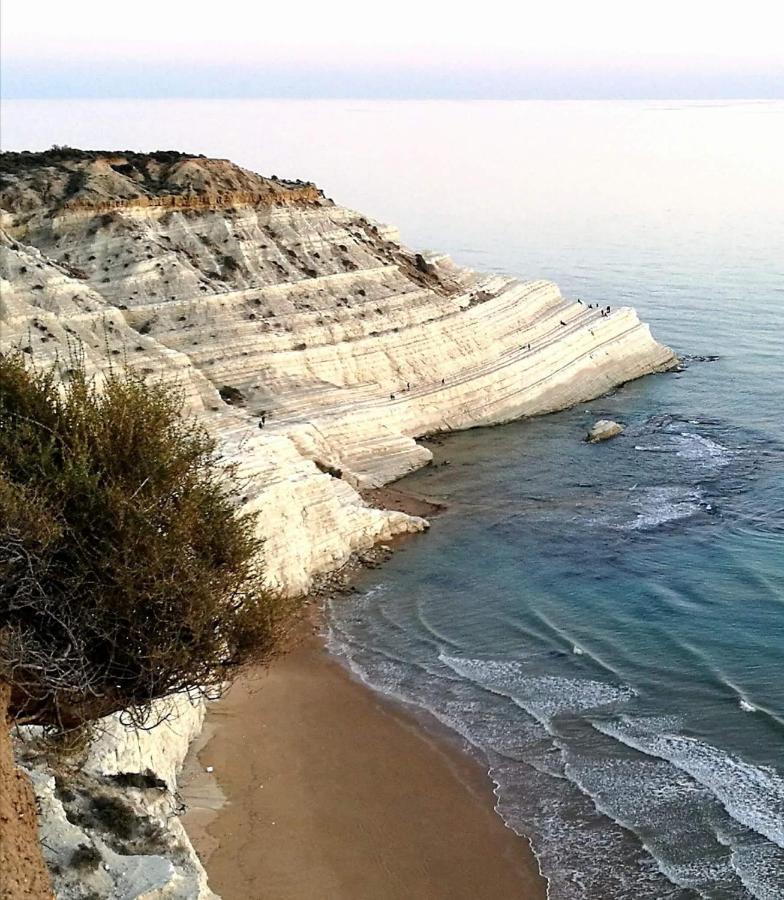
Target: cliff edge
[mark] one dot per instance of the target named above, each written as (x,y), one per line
(314,345)
(306,336)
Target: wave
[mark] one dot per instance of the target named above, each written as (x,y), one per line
(761,870)
(659,505)
(541,696)
(554,789)
(702,449)
(652,507)
(654,448)
(652,800)
(533,796)
(552,633)
(689,446)
(752,795)
(750,704)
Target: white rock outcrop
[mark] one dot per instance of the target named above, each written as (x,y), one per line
(306,337)
(603,430)
(157,860)
(288,311)
(158,750)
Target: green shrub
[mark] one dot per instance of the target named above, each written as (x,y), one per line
(126,572)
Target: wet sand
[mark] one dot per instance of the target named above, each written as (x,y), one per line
(332,792)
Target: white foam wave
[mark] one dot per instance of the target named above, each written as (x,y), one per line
(752,795)
(689,446)
(761,869)
(660,505)
(745,702)
(649,799)
(653,448)
(542,696)
(701,449)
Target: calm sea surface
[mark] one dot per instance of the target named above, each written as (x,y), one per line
(604,624)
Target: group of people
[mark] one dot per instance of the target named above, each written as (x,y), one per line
(605,309)
(408,387)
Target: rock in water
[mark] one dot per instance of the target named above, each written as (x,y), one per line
(603,430)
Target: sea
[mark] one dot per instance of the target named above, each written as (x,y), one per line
(601,625)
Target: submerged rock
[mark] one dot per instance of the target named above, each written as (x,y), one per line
(603,430)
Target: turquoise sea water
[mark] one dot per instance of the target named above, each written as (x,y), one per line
(603,624)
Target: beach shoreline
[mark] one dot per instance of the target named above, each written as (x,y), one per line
(350,793)
(307,783)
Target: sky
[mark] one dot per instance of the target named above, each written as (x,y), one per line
(409,48)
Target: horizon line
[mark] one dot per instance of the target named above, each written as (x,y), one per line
(604,98)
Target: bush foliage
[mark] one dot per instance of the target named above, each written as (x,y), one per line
(126,571)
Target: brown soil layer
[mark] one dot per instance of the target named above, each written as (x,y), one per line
(23,873)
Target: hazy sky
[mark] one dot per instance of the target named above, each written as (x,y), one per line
(421,48)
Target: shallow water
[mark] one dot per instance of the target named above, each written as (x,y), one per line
(605,624)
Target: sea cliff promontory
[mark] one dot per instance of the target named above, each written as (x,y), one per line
(307,338)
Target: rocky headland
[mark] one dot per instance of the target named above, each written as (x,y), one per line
(315,346)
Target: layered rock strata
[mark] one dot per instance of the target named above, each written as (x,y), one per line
(314,345)
(272,306)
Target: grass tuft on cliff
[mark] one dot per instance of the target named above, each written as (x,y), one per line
(126,571)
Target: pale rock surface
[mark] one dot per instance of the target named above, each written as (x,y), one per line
(158,750)
(308,314)
(271,306)
(603,430)
(159,864)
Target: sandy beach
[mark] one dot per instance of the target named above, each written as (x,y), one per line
(330,791)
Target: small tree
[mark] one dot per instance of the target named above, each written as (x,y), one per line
(126,571)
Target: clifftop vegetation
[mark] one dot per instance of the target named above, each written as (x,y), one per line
(58,155)
(126,572)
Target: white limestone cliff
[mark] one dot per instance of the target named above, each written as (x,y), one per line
(311,342)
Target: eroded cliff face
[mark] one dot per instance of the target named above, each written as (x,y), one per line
(41,184)
(272,306)
(306,337)
(109,823)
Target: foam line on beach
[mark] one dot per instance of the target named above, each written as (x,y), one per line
(752,795)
